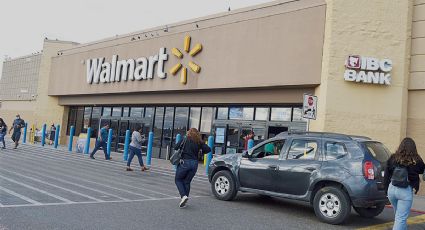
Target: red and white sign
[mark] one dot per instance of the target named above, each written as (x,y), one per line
(368,70)
(310,107)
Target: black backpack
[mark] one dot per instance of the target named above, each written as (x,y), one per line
(400,177)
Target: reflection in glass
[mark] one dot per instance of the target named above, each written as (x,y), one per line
(241,113)
(297,115)
(206,120)
(281,114)
(136,112)
(157,131)
(167,132)
(222,113)
(195,116)
(149,112)
(116,112)
(125,111)
(97,111)
(261,114)
(107,111)
(180,122)
(86,121)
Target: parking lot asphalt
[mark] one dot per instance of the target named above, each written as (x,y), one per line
(47,188)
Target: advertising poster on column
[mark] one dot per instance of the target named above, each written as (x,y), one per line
(310,107)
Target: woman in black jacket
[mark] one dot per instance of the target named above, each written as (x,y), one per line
(186,170)
(400,195)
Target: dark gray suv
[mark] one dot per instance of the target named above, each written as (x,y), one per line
(330,171)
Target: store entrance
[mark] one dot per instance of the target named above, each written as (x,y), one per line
(232,137)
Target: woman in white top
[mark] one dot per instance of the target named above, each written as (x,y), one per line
(135,148)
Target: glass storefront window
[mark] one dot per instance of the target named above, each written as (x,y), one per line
(261,114)
(195,116)
(241,113)
(71,119)
(297,115)
(167,132)
(86,121)
(125,111)
(149,112)
(157,131)
(281,114)
(107,111)
(222,113)
(206,120)
(79,121)
(96,112)
(180,121)
(136,112)
(116,112)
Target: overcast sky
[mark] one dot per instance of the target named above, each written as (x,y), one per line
(25,23)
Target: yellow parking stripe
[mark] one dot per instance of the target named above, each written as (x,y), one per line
(410,221)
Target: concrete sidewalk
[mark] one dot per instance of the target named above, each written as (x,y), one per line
(419,203)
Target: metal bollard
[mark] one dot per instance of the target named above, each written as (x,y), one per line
(108,145)
(25,133)
(250,143)
(71,138)
(58,129)
(126,143)
(43,135)
(87,146)
(210,154)
(149,154)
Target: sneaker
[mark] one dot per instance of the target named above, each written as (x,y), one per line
(144,169)
(183,201)
(92,157)
(3,147)
(128,169)
(108,159)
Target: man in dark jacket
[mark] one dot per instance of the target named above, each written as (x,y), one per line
(17,125)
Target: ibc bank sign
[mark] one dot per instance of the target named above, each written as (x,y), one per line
(368,70)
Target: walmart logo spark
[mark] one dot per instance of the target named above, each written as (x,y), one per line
(193,66)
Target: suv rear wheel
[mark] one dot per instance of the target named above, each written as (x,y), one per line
(371,211)
(223,185)
(332,205)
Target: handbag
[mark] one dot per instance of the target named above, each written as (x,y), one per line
(177,155)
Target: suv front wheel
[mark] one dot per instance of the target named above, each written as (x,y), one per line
(223,185)
(332,205)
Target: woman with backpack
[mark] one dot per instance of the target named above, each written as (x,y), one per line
(186,169)
(402,177)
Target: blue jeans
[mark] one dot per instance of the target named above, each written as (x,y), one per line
(184,175)
(97,147)
(134,151)
(401,199)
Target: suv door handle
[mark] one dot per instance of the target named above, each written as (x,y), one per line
(274,167)
(311,169)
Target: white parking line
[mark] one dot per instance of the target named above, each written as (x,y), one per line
(197,178)
(114,182)
(78,185)
(52,185)
(22,197)
(38,190)
(94,202)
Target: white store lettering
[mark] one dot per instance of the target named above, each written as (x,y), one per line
(123,70)
(368,70)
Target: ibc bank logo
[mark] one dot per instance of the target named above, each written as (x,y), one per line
(368,70)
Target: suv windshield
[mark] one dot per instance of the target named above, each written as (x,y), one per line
(377,150)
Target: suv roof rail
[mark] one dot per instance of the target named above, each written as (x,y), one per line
(322,134)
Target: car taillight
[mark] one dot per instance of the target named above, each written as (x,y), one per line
(368,171)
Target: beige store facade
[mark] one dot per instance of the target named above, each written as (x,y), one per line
(265,56)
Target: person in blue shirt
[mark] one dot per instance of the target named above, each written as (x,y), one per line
(17,125)
(101,142)
(3,131)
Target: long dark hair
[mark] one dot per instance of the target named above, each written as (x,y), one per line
(407,154)
(194,135)
(2,122)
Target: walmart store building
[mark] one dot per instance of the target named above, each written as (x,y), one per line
(247,70)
